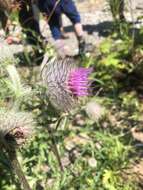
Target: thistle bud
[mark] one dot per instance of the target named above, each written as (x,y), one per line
(15,128)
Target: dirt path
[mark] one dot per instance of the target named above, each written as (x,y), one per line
(96,19)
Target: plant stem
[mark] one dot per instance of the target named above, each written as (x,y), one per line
(55,149)
(17,169)
(59,121)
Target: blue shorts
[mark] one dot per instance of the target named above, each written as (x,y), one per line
(65,6)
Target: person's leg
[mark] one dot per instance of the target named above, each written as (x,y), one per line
(5,10)
(55,27)
(54,21)
(63,33)
(70,10)
(29,24)
(121,10)
(4,20)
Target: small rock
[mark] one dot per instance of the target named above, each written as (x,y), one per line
(98,145)
(92,162)
(69,145)
(79,120)
(50,183)
(137,134)
(65,161)
(45,168)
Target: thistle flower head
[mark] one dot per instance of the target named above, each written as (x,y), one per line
(78,81)
(65,81)
(15,128)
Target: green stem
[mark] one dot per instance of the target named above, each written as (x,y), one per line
(54,147)
(17,169)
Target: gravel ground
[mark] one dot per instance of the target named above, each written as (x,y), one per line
(96,20)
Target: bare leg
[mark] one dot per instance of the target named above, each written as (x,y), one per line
(80,36)
(61,48)
(78,29)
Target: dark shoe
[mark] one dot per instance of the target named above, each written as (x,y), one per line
(64,36)
(122,18)
(81,46)
(84,47)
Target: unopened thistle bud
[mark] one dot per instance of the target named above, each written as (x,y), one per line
(7,55)
(65,82)
(15,128)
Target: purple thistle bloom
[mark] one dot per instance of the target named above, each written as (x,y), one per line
(65,82)
(78,81)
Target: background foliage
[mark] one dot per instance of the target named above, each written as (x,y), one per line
(98,149)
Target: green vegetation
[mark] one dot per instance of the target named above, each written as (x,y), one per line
(97,153)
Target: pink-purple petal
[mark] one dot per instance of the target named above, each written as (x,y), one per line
(78,81)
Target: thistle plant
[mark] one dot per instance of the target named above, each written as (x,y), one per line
(15,129)
(65,82)
(7,55)
(14,84)
(117,9)
(12,78)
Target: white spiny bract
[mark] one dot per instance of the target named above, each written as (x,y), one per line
(13,81)
(54,74)
(6,55)
(15,128)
